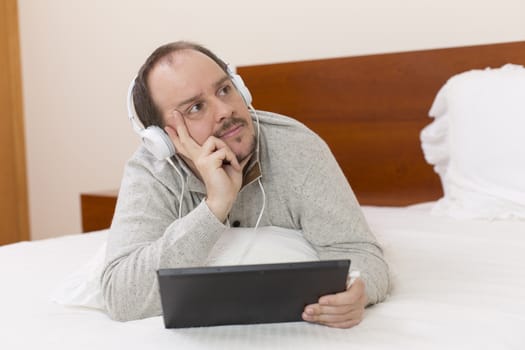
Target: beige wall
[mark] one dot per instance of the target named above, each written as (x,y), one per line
(79,56)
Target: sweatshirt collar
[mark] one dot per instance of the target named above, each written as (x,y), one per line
(196,185)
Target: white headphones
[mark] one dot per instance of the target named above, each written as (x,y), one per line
(156,140)
(158,143)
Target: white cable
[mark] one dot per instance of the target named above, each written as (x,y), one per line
(252,240)
(258,129)
(250,244)
(182,181)
(263,205)
(258,180)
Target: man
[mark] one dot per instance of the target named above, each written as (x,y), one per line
(229,167)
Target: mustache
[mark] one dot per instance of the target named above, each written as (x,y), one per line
(228,124)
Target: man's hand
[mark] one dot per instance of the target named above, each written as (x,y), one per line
(215,162)
(341,310)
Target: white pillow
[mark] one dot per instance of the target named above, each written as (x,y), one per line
(82,287)
(477,144)
(235,246)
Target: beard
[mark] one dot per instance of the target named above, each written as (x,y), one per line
(227,125)
(251,149)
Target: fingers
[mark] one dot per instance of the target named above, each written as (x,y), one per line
(214,162)
(178,133)
(187,146)
(333,315)
(220,153)
(334,318)
(341,310)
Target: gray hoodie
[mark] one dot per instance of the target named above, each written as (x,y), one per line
(305,190)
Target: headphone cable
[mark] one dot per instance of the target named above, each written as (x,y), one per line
(170,161)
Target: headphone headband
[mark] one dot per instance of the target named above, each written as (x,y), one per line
(132,113)
(239,85)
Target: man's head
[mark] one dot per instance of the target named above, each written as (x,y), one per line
(189,79)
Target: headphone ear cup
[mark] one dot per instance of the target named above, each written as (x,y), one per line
(241,87)
(157,142)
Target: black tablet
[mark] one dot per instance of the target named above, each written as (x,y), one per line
(220,295)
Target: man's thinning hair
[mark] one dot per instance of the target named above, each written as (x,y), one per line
(147,111)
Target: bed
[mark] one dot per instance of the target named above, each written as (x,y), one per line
(457,283)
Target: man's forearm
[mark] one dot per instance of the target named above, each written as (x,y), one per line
(129,281)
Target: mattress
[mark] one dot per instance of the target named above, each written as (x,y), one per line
(456,285)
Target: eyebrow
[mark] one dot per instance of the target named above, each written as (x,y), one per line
(198,96)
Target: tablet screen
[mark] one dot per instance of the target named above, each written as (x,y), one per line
(243,294)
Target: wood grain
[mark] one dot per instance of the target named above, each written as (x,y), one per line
(14,212)
(97,210)
(371,109)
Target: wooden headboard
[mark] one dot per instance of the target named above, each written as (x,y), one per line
(371,109)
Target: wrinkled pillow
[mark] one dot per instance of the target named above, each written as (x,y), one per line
(235,246)
(476,144)
(82,287)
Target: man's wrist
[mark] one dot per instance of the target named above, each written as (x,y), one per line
(219,209)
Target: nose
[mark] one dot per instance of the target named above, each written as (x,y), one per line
(222,110)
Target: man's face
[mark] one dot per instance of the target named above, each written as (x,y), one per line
(191,83)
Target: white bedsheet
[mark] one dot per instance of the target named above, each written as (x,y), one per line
(457,285)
